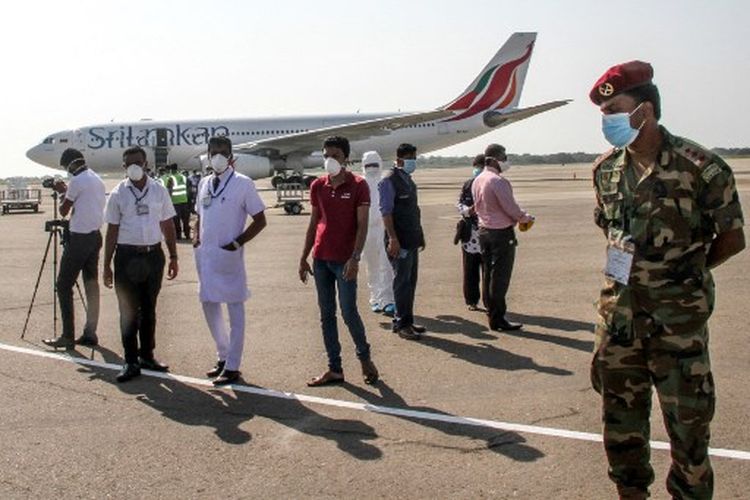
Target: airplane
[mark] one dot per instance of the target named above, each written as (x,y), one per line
(285,147)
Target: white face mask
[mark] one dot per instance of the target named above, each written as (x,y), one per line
(134,172)
(219,163)
(504,166)
(332,166)
(372,172)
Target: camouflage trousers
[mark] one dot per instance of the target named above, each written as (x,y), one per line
(675,364)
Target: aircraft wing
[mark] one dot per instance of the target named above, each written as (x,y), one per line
(311,140)
(501,118)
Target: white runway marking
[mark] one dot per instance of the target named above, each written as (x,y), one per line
(386,410)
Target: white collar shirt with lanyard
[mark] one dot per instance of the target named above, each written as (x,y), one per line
(139,213)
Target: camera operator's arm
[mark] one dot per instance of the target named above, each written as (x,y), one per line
(60,187)
(110,241)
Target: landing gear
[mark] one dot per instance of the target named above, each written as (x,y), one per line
(276,180)
(308,180)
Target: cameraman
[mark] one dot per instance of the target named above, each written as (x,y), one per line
(84,199)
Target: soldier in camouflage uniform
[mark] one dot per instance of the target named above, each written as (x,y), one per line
(670,211)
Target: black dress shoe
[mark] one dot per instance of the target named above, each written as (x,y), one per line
(227,377)
(88,340)
(507,326)
(60,343)
(409,333)
(216,370)
(129,371)
(153,365)
(418,328)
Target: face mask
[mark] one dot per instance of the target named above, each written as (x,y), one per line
(219,163)
(617,130)
(503,166)
(372,172)
(332,166)
(135,172)
(476,171)
(410,166)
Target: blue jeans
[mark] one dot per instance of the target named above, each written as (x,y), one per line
(329,275)
(405,271)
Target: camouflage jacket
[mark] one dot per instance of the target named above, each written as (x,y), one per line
(672,215)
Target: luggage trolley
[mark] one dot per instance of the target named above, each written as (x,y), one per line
(20,199)
(290,195)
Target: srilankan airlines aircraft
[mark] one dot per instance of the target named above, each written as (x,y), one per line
(285,147)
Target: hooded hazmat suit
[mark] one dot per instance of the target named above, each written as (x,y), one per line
(379,270)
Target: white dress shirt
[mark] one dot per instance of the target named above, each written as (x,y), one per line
(222,219)
(87,193)
(122,210)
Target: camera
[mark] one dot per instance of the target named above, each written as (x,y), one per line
(48,182)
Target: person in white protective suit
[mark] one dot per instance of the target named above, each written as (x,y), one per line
(379,270)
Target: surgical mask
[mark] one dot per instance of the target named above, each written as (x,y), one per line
(410,166)
(332,166)
(134,172)
(476,171)
(372,172)
(219,163)
(503,166)
(617,130)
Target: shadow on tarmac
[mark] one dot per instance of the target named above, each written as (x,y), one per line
(507,443)
(226,411)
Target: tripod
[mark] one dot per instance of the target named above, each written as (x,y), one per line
(56,228)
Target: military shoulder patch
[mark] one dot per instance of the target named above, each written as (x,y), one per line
(695,153)
(710,172)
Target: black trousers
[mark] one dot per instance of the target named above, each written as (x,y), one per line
(498,253)
(405,273)
(472,264)
(182,220)
(80,255)
(137,283)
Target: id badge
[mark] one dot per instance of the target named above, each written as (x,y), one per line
(141,209)
(619,260)
(206,201)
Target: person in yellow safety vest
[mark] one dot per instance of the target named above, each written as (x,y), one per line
(176,184)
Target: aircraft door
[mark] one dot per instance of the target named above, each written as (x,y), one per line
(161,149)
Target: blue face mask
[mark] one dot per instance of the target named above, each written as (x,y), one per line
(476,171)
(617,130)
(410,166)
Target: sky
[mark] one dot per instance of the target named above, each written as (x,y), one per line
(72,64)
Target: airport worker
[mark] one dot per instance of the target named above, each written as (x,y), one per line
(470,251)
(83,198)
(399,207)
(193,181)
(336,236)
(497,213)
(670,211)
(379,271)
(138,213)
(225,200)
(176,184)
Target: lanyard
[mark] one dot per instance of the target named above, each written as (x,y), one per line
(137,200)
(222,189)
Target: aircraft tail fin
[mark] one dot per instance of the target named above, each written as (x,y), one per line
(498,86)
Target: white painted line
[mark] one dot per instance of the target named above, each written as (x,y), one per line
(386,410)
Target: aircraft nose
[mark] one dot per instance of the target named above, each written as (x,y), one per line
(34,154)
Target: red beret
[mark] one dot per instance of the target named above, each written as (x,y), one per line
(620,78)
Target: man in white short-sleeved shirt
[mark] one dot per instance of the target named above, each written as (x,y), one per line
(139,211)
(83,198)
(225,200)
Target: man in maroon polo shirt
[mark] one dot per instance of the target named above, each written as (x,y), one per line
(336,235)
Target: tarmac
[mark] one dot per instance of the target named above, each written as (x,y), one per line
(465,413)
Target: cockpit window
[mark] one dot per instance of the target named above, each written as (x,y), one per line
(49,140)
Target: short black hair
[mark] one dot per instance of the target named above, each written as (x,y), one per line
(134,151)
(650,93)
(337,141)
(405,149)
(495,151)
(69,156)
(220,140)
(478,160)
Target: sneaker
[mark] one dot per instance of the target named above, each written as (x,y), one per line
(389,310)
(408,333)
(376,308)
